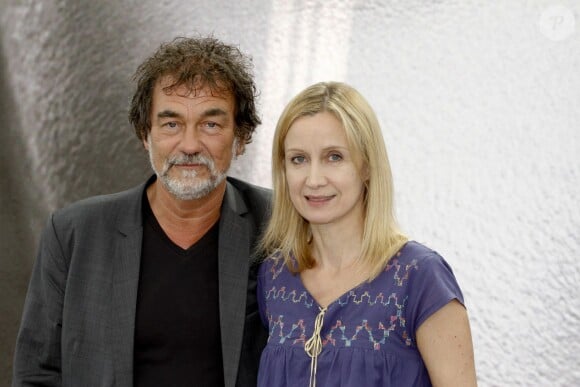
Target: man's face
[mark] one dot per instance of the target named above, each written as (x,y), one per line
(191,143)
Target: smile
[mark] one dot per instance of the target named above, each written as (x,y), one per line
(318,199)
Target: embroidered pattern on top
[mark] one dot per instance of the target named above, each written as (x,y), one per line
(339,334)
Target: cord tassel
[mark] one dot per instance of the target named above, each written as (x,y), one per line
(313,346)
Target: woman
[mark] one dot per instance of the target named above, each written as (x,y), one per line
(348,300)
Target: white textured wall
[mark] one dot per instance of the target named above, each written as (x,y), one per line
(479,100)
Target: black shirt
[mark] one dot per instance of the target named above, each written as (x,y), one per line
(177,327)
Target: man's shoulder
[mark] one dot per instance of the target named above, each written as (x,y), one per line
(103,205)
(246,188)
(251,198)
(255,197)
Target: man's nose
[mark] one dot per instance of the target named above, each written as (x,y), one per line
(191,141)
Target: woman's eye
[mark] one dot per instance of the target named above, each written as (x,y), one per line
(335,157)
(297,159)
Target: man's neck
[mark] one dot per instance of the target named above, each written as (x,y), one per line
(185,221)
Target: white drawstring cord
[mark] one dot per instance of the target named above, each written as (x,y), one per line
(313,346)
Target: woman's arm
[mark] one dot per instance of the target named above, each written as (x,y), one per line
(444,341)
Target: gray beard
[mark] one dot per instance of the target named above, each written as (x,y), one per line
(188,186)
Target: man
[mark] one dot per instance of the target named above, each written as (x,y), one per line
(155,286)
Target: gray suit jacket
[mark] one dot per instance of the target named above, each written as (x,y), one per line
(78,323)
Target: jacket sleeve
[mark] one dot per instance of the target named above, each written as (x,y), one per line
(37,360)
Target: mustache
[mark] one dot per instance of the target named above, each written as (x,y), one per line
(187,159)
(190,159)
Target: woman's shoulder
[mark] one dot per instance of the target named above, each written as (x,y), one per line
(273,266)
(416,262)
(416,253)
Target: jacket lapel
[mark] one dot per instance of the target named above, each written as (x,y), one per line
(126,264)
(233,263)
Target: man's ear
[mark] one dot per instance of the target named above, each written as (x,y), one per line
(240,147)
(146,143)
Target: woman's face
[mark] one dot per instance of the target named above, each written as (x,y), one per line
(323,175)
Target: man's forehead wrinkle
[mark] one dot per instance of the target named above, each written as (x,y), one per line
(194,92)
(211,112)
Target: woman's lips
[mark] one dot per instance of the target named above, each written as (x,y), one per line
(318,198)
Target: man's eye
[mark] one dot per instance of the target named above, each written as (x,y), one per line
(171,124)
(211,125)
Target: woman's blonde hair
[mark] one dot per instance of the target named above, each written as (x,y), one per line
(288,232)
